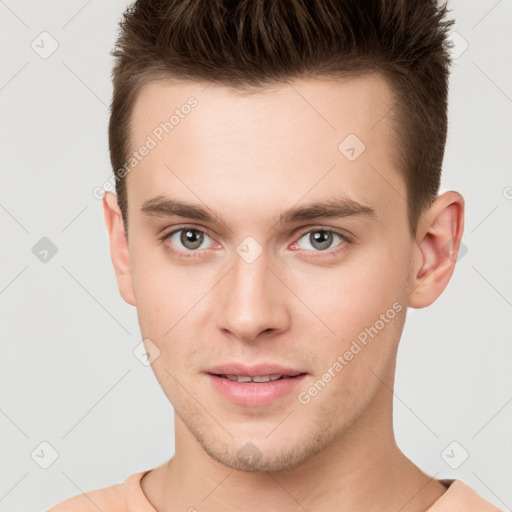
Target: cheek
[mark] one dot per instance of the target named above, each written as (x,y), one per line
(351,297)
(158,293)
(169,305)
(363,347)
(360,309)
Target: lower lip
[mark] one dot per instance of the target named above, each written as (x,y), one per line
(255,394)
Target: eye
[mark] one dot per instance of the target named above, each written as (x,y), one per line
(321,240)
(187,239)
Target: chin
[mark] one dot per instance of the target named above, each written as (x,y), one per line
(259,454)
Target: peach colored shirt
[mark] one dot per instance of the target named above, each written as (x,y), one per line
(129,497)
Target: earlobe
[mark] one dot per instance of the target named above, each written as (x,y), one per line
(118,247)
(436,249)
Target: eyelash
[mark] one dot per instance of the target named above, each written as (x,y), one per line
(193,254)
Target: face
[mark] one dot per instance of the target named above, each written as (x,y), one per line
(322,292)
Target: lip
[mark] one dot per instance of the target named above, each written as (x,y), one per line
(252,394)
(253,371)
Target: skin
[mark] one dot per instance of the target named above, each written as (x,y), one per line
(249,157)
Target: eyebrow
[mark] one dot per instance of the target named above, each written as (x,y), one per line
(161,206)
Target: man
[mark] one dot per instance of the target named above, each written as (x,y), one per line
(277,164)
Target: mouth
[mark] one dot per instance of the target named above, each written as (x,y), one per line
(258,379)
(271,370)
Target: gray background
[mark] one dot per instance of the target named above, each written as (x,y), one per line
(68,374)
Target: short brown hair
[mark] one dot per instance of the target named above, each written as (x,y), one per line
(246,44)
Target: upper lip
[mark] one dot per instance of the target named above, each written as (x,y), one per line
(253,371)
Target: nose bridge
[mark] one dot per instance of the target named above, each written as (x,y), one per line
(251,302)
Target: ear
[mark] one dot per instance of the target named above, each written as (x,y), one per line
(118,247)
(437,246)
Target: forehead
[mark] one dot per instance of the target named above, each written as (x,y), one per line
(299,140)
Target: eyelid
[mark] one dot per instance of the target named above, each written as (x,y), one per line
(337,231)
(184,227)
(314,227)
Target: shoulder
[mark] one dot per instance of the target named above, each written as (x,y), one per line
(107,499)
(461,496)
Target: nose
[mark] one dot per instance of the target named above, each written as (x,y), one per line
(252,300)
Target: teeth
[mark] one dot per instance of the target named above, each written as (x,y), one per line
(262,378)
(243,378)
(246,378)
